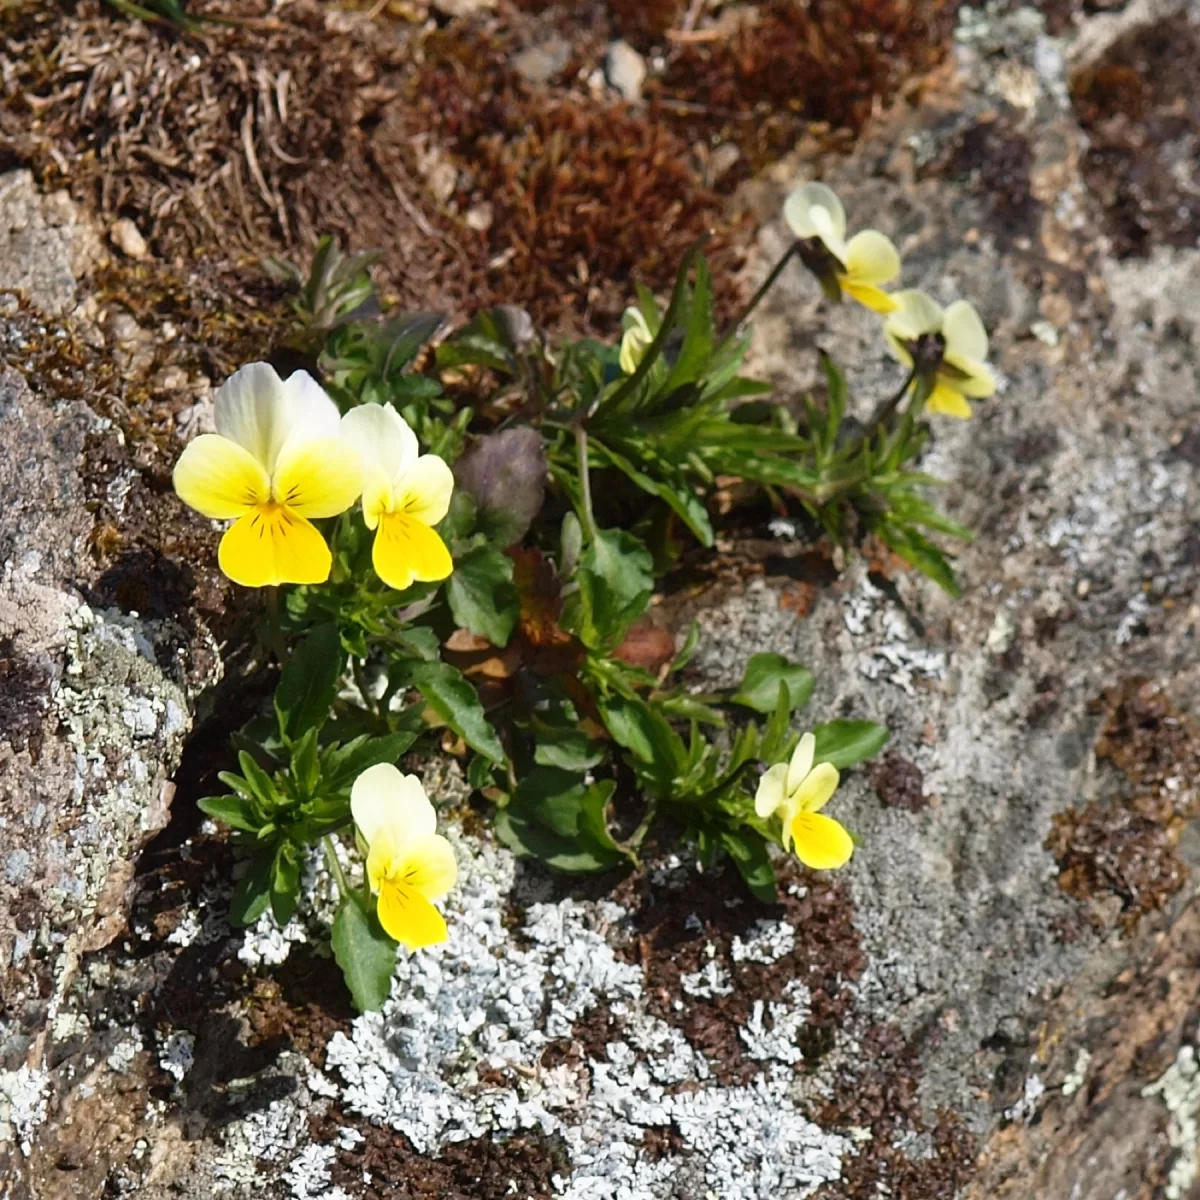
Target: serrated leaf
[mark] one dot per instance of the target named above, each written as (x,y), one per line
(366,955)
(847,743)
(759,688)
(308,684)
(482,596)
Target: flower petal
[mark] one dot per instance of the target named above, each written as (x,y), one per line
(318,478)
(219,478)
(946,400)
(383,438)
(383,797)
(915,313)
(251,408)
(635,340)
(869,296)
(409,918)
(428,867)
(311,411)
(405,550)
(814,210)
(271,545)
(976,378)
(769,798)
(871,258)
(801,764)
(820,842)
(964,331)
(424,491)
(813,793)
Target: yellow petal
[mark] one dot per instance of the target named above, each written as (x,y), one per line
(871,258)
(318,478)
(409,918)
(406,550)
(915,314)
(427,866)
(270,546)
(634,341)
(769,797)
(801,764)
(869,296)
(964,331)
(424,491)
(820,842)
(974,377)
(384,798)
(814,210)
(950,403)
(219,478)
(384,439)
(820,783)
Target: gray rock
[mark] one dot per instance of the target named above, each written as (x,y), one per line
(541,63)
(44,243)
(625,70)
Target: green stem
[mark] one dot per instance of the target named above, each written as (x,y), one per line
(885,408)
(585,482)
(275,626)
(764,288)
(335,867)
(633,842)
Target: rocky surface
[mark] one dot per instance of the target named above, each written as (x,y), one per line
(996,998)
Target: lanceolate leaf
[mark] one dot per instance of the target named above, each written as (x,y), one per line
(366,955)
(847,743)
(309,682)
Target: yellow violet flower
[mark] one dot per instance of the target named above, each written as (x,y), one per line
(408,864)
(961,368)
(276,460)
(797,791)
(635,341)
(405,493)
(858,267)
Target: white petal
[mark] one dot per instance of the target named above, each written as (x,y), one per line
(383,798)
(964,331)
(251,408)
(801,764)
(383,438)
(312,411)
(916,313)
(769,798)
(815,211)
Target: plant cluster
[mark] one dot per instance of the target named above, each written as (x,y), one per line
(490,597)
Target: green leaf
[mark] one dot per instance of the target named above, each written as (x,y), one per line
(760,685)
(847,743)
(253,891)
(285,882)
(308,684)
(341,765)
(646,734)
(552,816)
(306,769)
(918,551)
(482,596)
(447,691)
(698,336)
(567,749)
(260,784)
(366,955)
(748,850)
(775,732)
(235,811)
(615,580)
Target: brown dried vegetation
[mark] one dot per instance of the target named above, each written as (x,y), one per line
(1126,848)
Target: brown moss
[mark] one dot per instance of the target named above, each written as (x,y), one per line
(899,782)
(1139,109)
(1126,848)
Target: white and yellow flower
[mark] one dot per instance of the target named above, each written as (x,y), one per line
(408,864)
(962,370)
(858,267)
(276,460)
(797,791)
(405,493)
(635,339)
